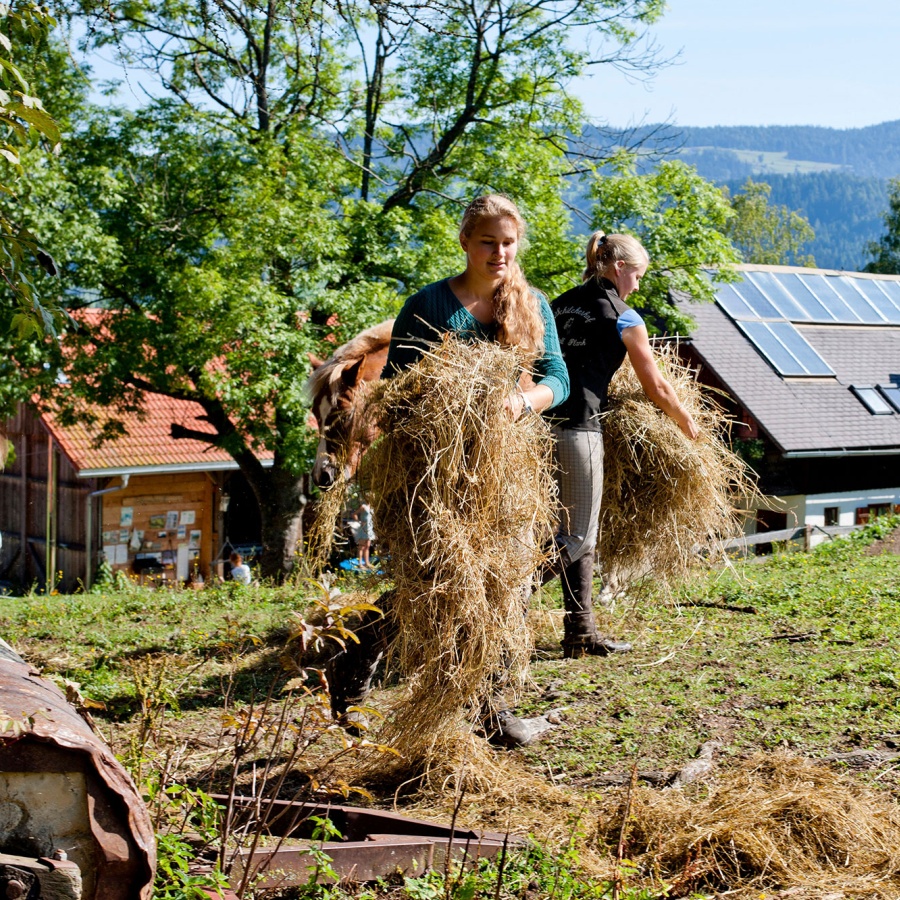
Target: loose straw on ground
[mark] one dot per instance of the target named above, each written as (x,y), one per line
(463,501)
(778,821)
(667,500)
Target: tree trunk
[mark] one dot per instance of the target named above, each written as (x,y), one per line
(281,501)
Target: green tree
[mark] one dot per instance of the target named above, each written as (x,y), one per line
(24,123)
(885,252)
(766,234)
(30,67)
(681,219)
(288,187)
(287,184)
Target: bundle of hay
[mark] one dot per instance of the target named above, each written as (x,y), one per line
(776,822)
(667,500)
(463,502)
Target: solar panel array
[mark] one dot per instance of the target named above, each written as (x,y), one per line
(766,304)
(820,299)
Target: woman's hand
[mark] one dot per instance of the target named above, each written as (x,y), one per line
(655,386)
(688,426)
(514,404)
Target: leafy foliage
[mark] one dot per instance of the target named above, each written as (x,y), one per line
(23,124)
(302,170)
(681,220)
(766,234)
(885,252)
(843,209)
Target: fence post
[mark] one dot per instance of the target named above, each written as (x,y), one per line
(807,537)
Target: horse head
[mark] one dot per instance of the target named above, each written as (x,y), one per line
(332,387)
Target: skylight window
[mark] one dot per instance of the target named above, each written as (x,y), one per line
(873,401)
(891,393)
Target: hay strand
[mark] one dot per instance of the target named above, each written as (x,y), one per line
(777,821)
(463,500)
(667,500)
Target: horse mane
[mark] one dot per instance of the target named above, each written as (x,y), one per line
(328,375)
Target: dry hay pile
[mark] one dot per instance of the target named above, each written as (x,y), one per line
(320,537)
(777,822)
(666,499)
(463,501)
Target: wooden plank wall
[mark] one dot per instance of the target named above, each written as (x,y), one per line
(161,507)
(23,507)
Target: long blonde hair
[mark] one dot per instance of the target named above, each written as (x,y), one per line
(517,310)
(605,250)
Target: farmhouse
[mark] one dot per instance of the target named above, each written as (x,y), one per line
(808,361)
(150,505)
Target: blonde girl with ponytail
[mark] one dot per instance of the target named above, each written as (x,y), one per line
(597,330)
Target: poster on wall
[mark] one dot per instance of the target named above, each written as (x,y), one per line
(182,532)
(157,522)
(181,564)
(171,520)
(126,517)
(187,517)
(194,542)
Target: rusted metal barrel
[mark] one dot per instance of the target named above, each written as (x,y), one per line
(65,799)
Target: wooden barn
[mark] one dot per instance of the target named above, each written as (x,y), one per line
(150,505)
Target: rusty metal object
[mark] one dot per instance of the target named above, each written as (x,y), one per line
(63,792)
(39,879)
(375,843)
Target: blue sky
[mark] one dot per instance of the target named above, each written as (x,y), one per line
(765,62)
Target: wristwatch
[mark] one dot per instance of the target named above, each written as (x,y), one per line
(526,403)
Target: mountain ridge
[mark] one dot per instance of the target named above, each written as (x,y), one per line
(836,177)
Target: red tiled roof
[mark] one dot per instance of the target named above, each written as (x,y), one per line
(148,442)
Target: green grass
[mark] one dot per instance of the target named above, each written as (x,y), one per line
(699,669)
(813,668)
(796,652)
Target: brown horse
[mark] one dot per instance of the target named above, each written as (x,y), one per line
(332,387)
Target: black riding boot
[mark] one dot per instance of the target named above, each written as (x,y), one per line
(580,636)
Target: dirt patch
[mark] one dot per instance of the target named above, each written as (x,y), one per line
(889,544)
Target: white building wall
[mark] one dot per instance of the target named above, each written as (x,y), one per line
(810,509)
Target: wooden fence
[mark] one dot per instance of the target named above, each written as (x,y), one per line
(802,533)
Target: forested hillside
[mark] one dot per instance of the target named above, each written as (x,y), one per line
(837,178)
(873,151)
(846,212)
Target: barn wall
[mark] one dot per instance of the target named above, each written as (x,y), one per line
(167,522)
(23,511)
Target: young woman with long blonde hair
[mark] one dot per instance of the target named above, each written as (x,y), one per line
(489,300)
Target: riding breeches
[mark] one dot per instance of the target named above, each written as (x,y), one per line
(579,479)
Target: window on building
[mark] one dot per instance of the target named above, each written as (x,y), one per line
(891,393)
(832,515)
(873,401)
(865,514)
